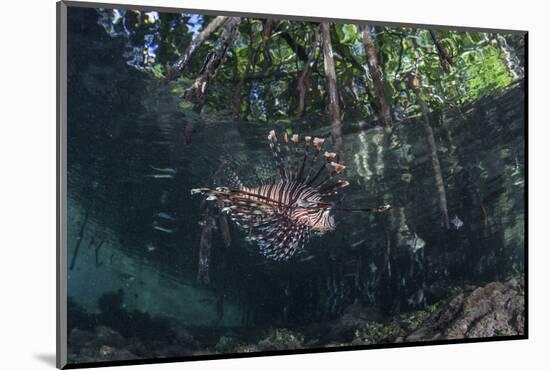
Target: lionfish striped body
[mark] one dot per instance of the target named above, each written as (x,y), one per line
(280,216)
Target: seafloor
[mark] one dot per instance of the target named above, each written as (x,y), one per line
(496,309)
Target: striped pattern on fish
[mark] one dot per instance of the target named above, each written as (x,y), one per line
(280,216)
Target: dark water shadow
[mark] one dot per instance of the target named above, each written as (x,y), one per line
(47,358)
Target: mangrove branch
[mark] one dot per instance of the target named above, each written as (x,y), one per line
(376,75)
(178,67)
(303,80)
(444,58)
(196,94)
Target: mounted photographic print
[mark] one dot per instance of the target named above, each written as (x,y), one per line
(235,184)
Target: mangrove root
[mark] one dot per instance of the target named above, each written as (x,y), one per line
(80,237)
(98,263)
(440,185)
(178,67)
(205,246)
(224,229)
(196,94)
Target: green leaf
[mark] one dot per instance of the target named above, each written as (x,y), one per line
(347,33)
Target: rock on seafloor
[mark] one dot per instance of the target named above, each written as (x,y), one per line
(496,309)
(105,344)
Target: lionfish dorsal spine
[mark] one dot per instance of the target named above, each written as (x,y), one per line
(276,151)
(288,155)
(307,141)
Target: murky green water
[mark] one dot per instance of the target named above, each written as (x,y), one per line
(134,228)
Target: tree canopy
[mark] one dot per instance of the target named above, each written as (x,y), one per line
(265,70)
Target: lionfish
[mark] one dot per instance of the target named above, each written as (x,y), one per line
(279,216)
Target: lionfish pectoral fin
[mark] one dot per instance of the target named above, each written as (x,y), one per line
(222,194)
(201,191)
(385,208)
(280,237)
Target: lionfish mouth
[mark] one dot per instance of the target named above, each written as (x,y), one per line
(281,215)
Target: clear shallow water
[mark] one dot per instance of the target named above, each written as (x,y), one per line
(134,228)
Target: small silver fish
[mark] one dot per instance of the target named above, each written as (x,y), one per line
(165,170)
(165,216)
(416,243)
(162,176)
(164,230)
(358,243)
(127,278)
(457,222)
(308,258)
(417,298)
(373,267)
